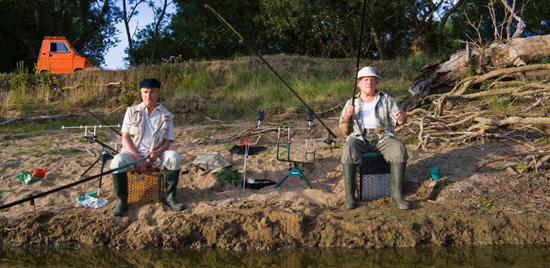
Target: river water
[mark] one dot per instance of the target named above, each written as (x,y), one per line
(486,256)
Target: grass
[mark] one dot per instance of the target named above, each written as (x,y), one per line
(39,152)
(230,90)
(38,128)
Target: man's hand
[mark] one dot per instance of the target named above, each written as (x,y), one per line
(140,167)
(153,156)
(350,110)
(401,117)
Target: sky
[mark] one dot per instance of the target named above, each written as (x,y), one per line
(114,59)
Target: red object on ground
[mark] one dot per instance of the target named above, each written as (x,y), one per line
(38,173)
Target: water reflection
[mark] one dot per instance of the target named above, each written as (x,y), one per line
(505,256)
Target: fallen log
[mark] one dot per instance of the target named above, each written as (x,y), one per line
(443,75)
(37,118)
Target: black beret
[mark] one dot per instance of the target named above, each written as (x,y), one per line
(149,82)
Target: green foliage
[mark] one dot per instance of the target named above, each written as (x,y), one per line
(39,152)
(497,103)
(205,139)
(18,97)
(228,176)
(471,68)
(441,184)
(482,203)
(199,82)
(46,80)
(88,24)
(545,60)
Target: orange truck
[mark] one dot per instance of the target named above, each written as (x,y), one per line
(58,56)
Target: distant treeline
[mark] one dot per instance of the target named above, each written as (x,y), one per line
(322,28)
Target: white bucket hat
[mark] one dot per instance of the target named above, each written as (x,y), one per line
(368,71)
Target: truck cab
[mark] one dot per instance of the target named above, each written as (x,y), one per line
(58,56)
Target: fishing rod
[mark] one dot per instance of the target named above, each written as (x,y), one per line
(329,140)
(358,53)
(31,198)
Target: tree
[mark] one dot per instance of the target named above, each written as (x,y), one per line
(426,28)
(129,10)
(194,32)
(88,24)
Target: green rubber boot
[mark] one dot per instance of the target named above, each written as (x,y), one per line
(171,184)
(120,185)
(350,171)
(397,177)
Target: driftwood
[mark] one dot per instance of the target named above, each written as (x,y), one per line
(97,85)
(442,76)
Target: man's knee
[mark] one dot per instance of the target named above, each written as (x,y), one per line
(172,160)
(397,152)
(118,161)
(351,152)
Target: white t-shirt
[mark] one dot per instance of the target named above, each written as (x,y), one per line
(368,119)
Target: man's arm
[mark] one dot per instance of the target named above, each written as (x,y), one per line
(129,146)
(155,154)
(347,113)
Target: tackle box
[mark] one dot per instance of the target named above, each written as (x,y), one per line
(375,177)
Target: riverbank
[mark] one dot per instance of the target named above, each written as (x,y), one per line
(453,211)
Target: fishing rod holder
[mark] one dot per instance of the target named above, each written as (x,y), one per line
(309,154)
(104,156)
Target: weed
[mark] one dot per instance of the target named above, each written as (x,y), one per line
(496,103)
(34,152)
(68,151)
(387,240)
(471,68)
(482,203)
(43,144)
(441,184)
(205,139)
(228,145)
(228,176)
(545,60)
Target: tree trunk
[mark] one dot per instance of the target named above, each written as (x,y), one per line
(441,76)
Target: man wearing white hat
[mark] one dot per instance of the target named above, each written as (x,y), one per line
(369,124)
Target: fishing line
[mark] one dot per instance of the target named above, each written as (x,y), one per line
(241,40)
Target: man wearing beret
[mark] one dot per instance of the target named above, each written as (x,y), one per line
(147,130)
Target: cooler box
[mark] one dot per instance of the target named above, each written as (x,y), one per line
(145,188)
(375,174)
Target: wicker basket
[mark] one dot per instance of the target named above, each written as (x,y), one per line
(145,188)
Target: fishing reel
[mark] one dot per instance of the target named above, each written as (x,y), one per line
(260,117)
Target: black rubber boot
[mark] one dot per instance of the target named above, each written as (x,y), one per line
(397,177)
(171,184)
(120,186)
(350,171)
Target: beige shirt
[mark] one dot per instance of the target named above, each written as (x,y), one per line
(148,132)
